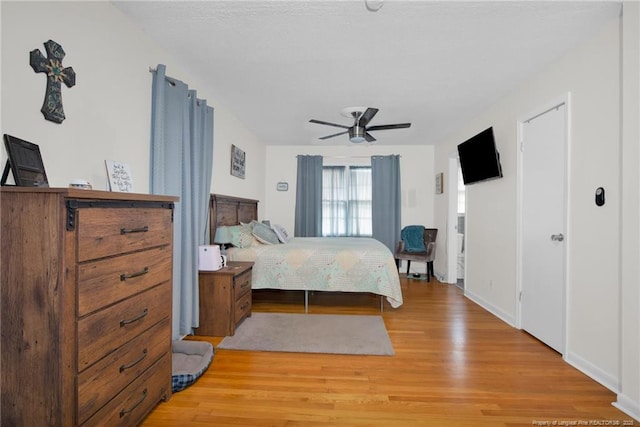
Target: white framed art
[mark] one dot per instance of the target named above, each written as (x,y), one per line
(439,183)
(282,186)
(120,177)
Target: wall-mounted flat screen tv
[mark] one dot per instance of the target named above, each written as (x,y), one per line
(479,158)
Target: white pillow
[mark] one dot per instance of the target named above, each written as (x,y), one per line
(280,231)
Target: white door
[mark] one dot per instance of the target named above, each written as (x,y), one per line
(543,213)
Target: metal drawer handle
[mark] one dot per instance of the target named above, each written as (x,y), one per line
(135,362)
(135,319)
(124,277)
(134,230)
(244,306)
(126,411)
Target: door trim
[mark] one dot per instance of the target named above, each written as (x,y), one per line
(566,100)
(452,219)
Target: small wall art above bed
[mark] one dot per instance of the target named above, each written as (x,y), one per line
(238,162)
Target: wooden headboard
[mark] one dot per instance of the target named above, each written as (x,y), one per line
(229,210)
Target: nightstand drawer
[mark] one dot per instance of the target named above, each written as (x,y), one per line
(242,284)
(243,308)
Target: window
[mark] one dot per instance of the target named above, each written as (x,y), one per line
(346,201)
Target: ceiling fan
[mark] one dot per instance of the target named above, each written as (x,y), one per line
(359,132)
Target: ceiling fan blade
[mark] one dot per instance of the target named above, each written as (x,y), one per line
(385,127)
(320,122)
(367,116)
(368,137)
(335,134)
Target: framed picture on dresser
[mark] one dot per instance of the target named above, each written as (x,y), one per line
(120,177)
(25,161)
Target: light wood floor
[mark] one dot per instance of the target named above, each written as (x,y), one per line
(455,365)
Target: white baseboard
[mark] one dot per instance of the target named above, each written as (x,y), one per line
(609,381)
(505,317)
(628,406)
(438,275)
(606,379)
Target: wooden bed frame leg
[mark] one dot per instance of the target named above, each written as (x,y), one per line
(306,301)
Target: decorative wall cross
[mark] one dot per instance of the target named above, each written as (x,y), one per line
(52,65)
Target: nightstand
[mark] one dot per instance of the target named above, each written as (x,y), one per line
(225,299)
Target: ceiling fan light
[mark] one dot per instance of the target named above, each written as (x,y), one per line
(356,134)
(373,5)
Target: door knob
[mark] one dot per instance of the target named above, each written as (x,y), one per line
(557,237)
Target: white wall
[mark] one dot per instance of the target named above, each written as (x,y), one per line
(229,130)
(108,111)
(417,179)
(591,73)
(629,396)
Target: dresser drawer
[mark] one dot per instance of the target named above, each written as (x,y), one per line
(131,405)
(104,331)
(111,231)
(101,283)
(243,307)
(106,378)
(242,284)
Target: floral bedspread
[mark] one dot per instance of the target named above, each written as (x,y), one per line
(342,264)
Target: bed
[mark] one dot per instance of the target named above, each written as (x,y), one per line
(334,264)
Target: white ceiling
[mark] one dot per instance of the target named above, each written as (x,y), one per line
(436,64)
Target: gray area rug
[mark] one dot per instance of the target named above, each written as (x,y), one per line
(311,333)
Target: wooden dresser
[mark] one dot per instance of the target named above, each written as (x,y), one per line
(225,299)
(86,291)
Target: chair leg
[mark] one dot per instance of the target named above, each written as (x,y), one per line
(408,265)
(431,268)
(428,276)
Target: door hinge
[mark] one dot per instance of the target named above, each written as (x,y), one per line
(520,296)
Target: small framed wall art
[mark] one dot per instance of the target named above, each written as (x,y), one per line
(439,183)
(238,162)
(282,186)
